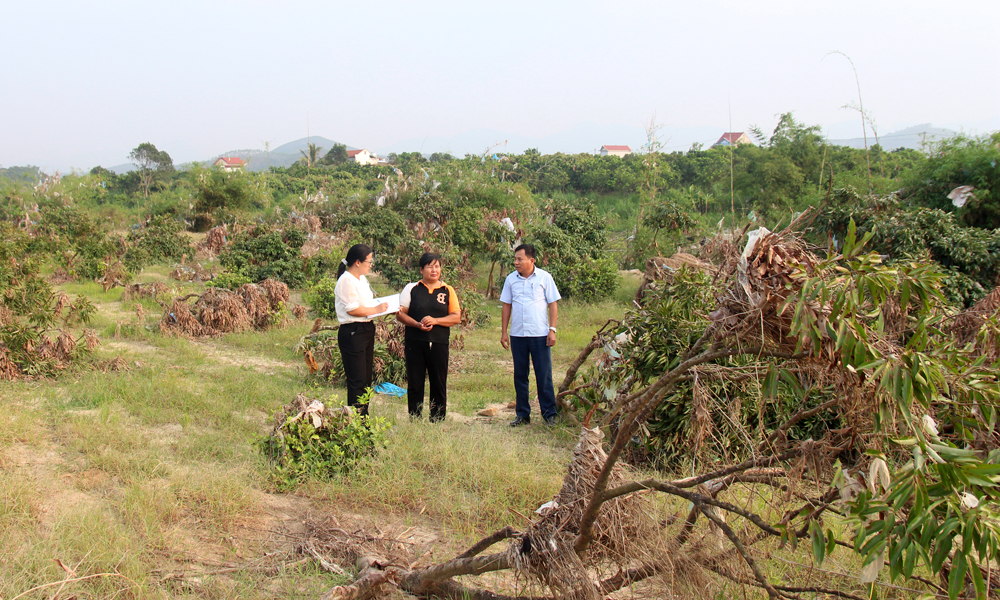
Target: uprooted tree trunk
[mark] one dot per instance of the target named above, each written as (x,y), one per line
(598,534)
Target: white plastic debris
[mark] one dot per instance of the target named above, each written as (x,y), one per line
(960,195)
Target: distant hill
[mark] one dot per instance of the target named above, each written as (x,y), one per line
(284,155)
(584,138)
(915,138)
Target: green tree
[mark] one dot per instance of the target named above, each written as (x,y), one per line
(960,161)
(150,163)
(336,156)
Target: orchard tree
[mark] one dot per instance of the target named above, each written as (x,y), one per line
(150,163)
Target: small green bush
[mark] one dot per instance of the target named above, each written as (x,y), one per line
(321,298)
(322,444)
(158,241)
(262,253)
(229,281)
(587,279)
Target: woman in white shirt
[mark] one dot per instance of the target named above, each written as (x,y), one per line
(356,337)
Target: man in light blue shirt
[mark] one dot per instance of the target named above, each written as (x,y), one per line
(529,300)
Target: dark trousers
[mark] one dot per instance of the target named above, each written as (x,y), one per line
(357,350)
(424,358)
(533,348)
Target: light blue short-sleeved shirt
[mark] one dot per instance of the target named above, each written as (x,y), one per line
(529,299)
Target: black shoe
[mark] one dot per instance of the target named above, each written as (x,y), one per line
(550,421)
(520,421)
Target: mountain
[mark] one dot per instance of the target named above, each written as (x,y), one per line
(284,155)
(915,138)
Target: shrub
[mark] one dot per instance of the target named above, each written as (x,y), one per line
(573,249)
(313,439)
(587,279)
(218,189)
(956,162)
(158,241)
(31,313)
(229,281)
(970,255)
(320,297)
(396,248)
(261,253)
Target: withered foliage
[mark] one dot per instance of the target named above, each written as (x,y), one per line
(218,311)
(968,324)
(215,240)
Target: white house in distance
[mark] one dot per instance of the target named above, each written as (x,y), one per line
(733,138)
(362,157)
(230,163)
(615,150)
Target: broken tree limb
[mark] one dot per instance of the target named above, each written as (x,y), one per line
(581,358)
(504,534)
(646,402)
(417,580)
(735,539)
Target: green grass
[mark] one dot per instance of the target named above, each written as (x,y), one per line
(125,472)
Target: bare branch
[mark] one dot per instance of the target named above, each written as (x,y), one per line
(486,542)
(799,416)
(771,592)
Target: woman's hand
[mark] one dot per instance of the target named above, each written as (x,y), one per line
(428,323)
(381,308)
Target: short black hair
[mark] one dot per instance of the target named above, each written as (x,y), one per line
(529,250)
(428,258)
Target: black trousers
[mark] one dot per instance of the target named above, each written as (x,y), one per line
(357,350)
(430,360)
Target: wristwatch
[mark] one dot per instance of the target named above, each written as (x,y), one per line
(553,329)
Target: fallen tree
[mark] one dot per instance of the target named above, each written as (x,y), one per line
(908,479)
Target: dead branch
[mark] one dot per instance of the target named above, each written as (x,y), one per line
(486,542)
(799,416)
(710,514)
(645,404)
(723,572)
(585,353)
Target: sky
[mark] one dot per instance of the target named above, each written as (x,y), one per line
(85,82)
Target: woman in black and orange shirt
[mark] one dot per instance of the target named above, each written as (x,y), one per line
(428,308)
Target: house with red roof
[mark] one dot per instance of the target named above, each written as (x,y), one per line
(733,138)
(230,163)
(362,157)
(607,150)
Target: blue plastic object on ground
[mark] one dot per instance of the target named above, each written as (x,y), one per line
(390,389)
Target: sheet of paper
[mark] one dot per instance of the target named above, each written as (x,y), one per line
(392,301)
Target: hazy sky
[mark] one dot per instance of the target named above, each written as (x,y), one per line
(84,82)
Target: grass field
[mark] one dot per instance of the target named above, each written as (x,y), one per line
(147,482)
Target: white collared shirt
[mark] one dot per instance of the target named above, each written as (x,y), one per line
(352,292)
(529,299)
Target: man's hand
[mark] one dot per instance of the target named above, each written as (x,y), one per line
(551,339)
(505,340)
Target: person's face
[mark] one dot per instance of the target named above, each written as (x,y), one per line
(525,266)
(431,272)
(366,264)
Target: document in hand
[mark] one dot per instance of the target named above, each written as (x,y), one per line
(392,301)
